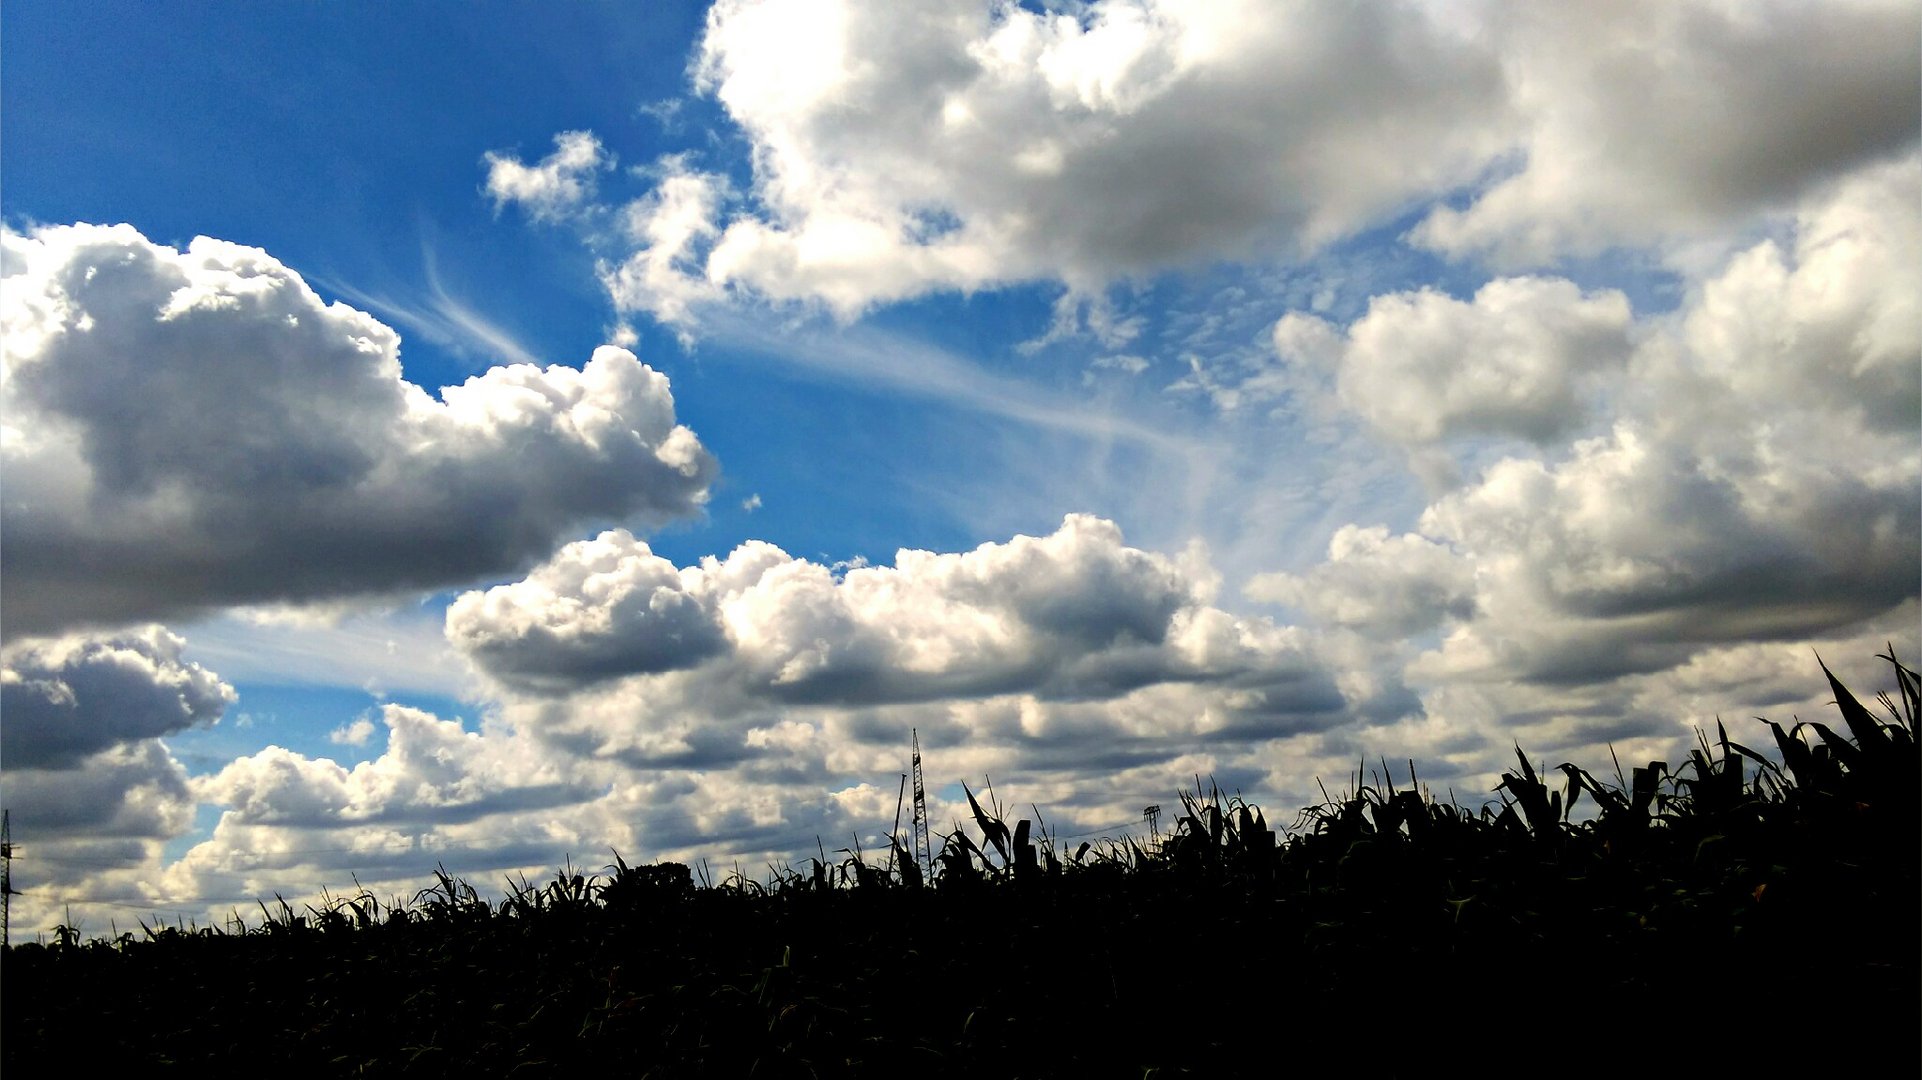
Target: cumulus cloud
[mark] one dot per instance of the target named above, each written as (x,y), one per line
(1042,656)
(131,790)
(558,185)
(187,430)
(482,803)
(1390,586)
(922,146)
(1633,553)
(598,608)
(667,229)
(1076,613)
(66,699)
(1654,118)
(353,734)
(432,770)
(1522,358)
(1832,322)
(1757,482)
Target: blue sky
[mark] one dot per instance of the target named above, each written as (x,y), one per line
(1249,391)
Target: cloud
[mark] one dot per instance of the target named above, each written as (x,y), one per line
(1757,481)
(91,791)
(130,791)
(1651,119)
(1126,363)
(736,691)
(1519,359)
(432,770)
(555,187)
(354,734)
(598,608)
(380,649)
(1634,553)
(667,229)
(1390,586)
(443,318)
(481,803)
(189,430)
(66,699)
(1832,323)
(919,147)
(1076,614)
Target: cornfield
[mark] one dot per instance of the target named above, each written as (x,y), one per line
(1742,910)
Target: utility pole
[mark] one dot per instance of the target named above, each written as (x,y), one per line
(921,814)
(1152,815)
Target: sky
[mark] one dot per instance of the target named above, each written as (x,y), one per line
(496,435)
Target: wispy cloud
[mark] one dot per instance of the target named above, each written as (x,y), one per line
(870,357)
(442,318)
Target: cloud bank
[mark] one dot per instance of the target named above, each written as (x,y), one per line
(1073,615)
(189,430)
(919,147)
(1755,478)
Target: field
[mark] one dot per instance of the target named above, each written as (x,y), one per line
(1752,910)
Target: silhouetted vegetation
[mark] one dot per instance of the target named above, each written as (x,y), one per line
(1747,911)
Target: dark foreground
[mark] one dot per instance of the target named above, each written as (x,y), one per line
(1726,914)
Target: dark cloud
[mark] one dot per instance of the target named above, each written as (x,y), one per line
(133,791)
(68,698)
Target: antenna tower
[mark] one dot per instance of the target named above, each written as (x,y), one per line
(921,814)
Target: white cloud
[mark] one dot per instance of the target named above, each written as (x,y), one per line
(481,802)
(598,608)
(431,770)
(1390,586)
(1127,363)
(68,698)
(1834,322)
(1515,360)
(91,791)
(1076,614)
(667,229)
(189,430)
(394,650)
(354,734)
(1758,480)
(1633,554)
(921,146)
(555,187)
